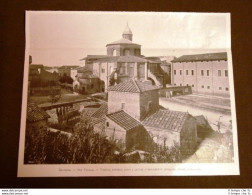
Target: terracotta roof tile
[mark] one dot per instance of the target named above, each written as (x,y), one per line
(102,111)
(125,59)
(124,120)
(133,86)
(92,57)
(35,113)
(202,57)
(166,119)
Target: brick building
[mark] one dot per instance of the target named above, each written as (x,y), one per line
(135,120)
(66,70)
(85,82)
(124,62)
(205,73)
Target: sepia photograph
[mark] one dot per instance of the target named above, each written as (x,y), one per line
(126,94)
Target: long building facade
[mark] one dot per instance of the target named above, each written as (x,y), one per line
(204,73)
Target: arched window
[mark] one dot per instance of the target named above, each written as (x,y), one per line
(137,52)
(126,52)
(114,52)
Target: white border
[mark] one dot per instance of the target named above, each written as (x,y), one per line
(157,169)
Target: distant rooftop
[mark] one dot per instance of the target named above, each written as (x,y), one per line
(101,112)
(91,57)
(202,57)
(36,66)
(166,119)
(133,86)
(82,69)
(124,120)
(68,66)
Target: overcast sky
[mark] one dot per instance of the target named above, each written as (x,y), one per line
(62,38)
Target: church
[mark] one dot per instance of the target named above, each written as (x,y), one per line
(124,62)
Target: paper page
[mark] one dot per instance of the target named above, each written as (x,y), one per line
(128,94)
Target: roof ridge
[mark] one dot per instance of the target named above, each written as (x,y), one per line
(114,112)
(135,83)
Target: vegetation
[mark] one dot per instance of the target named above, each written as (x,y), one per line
(84,146)
(66,79)
(40,82)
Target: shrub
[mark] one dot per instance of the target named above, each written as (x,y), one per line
(84,146)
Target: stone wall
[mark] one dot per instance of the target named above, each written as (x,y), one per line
(149,103)
(138,139)
(131,103)
(188,137)
(164,137)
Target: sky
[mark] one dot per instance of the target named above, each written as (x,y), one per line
(63,38)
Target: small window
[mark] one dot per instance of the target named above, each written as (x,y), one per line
(175,84)
(202,86)
(202,72)
(180,72)
(208,87)
(192,72)
(174,72)
(103,70)
(107,124)
(92,86)
(226,73)
(123,106)
(220,88)
(192,85)
(227,89)
(186,72)
(208,72)
(180,84)
(187,85)
(219,73)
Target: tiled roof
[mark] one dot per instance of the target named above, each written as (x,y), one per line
(82,69)
(95,121)
(124,120)
(166,119)
(124,59)
(87,76)
(35,113)
(102,111)
(122,41)
(133,86)
(35,66)
(93,57)
(202,57)
(68,67)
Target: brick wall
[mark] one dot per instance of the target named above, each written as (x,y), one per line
(188,137)
(131,101)
(149,102)
(163,136)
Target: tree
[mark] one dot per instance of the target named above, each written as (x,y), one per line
(84,146)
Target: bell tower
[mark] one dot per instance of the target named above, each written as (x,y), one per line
(127,33)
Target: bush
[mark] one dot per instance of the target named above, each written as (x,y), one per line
(66,79)
(84,146)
